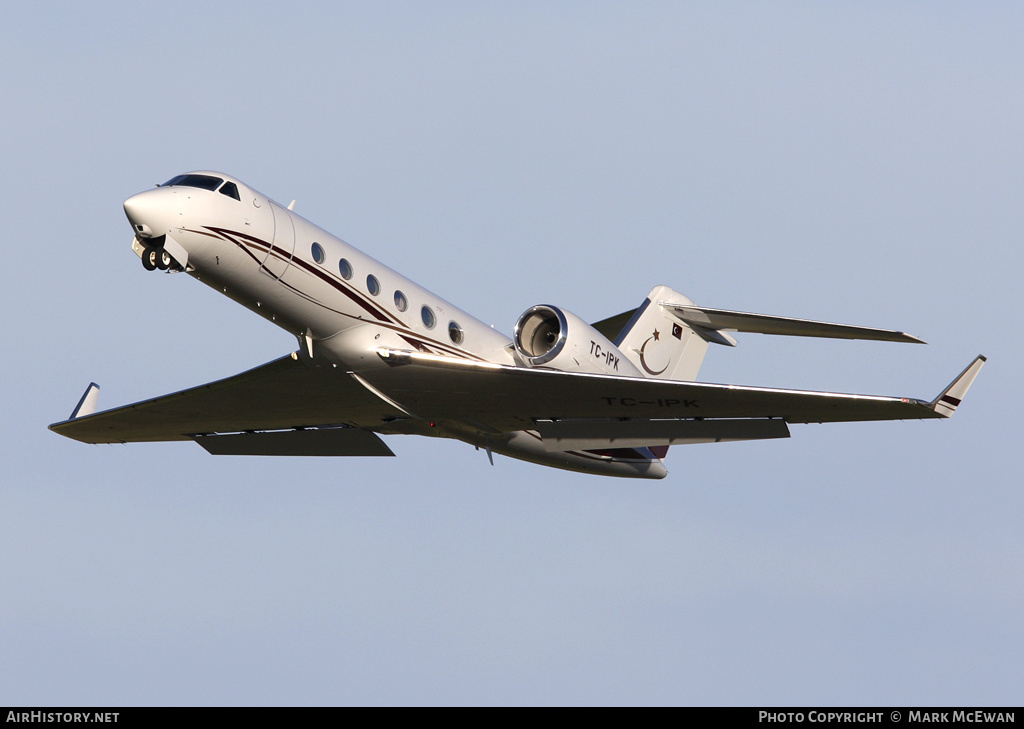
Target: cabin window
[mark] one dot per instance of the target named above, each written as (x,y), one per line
(318,253)
(428,317)
(372,284)
(231,190)
(455,333)
(345,269)
(401,303)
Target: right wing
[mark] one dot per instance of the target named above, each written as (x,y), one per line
(281,395)
(574,407)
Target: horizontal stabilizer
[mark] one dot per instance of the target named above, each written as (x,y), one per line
(740,321)
(310,442)
(948,401)
(565,435)
(611,326)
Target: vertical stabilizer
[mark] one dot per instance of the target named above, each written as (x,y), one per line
(660,344)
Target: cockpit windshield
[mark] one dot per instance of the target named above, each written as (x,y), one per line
(203,182)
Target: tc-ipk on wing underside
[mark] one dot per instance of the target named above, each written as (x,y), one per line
(380,355)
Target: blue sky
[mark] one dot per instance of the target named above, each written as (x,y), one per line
(859,163)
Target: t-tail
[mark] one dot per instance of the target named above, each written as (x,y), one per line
(663,345)
(667,336)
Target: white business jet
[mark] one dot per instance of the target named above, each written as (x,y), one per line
(380,355)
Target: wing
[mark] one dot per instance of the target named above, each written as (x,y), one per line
(504,398)
(285,394)
(286,407)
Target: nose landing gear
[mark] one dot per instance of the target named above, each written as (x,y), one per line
(163,253)
(154,257)
(150,256)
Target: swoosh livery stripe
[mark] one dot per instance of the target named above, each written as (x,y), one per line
(247,243)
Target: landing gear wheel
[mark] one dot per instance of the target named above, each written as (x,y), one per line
(164,260)
(149,258)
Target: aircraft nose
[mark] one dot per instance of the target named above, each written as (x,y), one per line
(144,212)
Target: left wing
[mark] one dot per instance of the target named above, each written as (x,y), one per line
(319,411)
(506,398)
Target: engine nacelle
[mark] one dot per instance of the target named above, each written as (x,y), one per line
(546,336)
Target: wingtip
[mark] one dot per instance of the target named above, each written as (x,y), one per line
(949,399)
(87,405)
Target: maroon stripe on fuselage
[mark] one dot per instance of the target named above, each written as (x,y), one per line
(228,236)
(384,318)
(284,256)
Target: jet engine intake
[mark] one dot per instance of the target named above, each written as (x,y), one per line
(546,336)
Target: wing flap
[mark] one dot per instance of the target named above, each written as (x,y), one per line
(279,395)
(310,442)
(565,435)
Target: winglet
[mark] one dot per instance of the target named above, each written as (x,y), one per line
(946,403)
(87,405)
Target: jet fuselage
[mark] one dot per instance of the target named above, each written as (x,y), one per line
(342,305)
